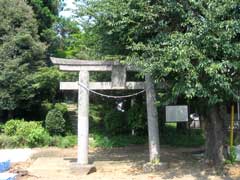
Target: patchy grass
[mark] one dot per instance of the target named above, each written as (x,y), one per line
(64,141)
(101,140)
(170,136)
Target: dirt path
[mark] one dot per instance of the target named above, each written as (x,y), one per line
(119,164)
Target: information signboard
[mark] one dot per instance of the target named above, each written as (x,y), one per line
(177,113)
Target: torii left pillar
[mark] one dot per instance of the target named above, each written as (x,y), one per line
(83,121)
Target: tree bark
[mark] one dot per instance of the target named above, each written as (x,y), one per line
(215,136)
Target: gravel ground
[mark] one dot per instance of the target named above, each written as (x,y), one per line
(120,164)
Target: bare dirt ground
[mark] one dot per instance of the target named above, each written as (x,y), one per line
(121,164)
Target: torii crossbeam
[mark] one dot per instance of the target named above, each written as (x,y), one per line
(118,82)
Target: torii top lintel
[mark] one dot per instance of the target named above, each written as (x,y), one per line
(88,65)
(118,78)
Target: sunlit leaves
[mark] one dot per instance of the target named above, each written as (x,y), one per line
(21,53)
(192,47)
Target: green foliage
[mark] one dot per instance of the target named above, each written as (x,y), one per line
(11,126)
(21,53)
(20,133)
(64,142)
(62,107)
(189,138)
(101,140)
(46,83)
(47,106)
(72,42)
(46,14)
(95,113)
(136,117)
(192,46)
(30,134)
(8,141)
(55,123)
(232,155)
(115,122)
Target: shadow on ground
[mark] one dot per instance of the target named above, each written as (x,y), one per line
(129,160)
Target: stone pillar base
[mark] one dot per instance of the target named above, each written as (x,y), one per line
(82,169)
(150,167)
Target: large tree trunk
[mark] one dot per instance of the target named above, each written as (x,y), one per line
(215,136)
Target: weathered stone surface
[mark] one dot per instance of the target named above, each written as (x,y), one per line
(101,86)
(83,119)
(77,62)
(119,77)
(118,81)
(152,117)
(83,169)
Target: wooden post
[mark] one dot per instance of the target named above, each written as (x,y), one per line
(152,115)
(83,123)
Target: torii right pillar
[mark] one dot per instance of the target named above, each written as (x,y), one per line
(152,116)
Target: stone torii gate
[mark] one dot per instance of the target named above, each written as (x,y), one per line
(118,82)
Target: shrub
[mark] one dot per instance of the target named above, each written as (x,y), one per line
(115,122)
(55,123)
(232,155)
(190,138)
(47,106)
(8,141)
(32,134)
(64,142)
(101,140)
(95,112)
(55,140)
(68,141)
(11,127)
(137,119)
(62,107)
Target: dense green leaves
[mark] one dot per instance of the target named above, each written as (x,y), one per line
(190,46)
(55,123)
(21,53)
(46,14)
